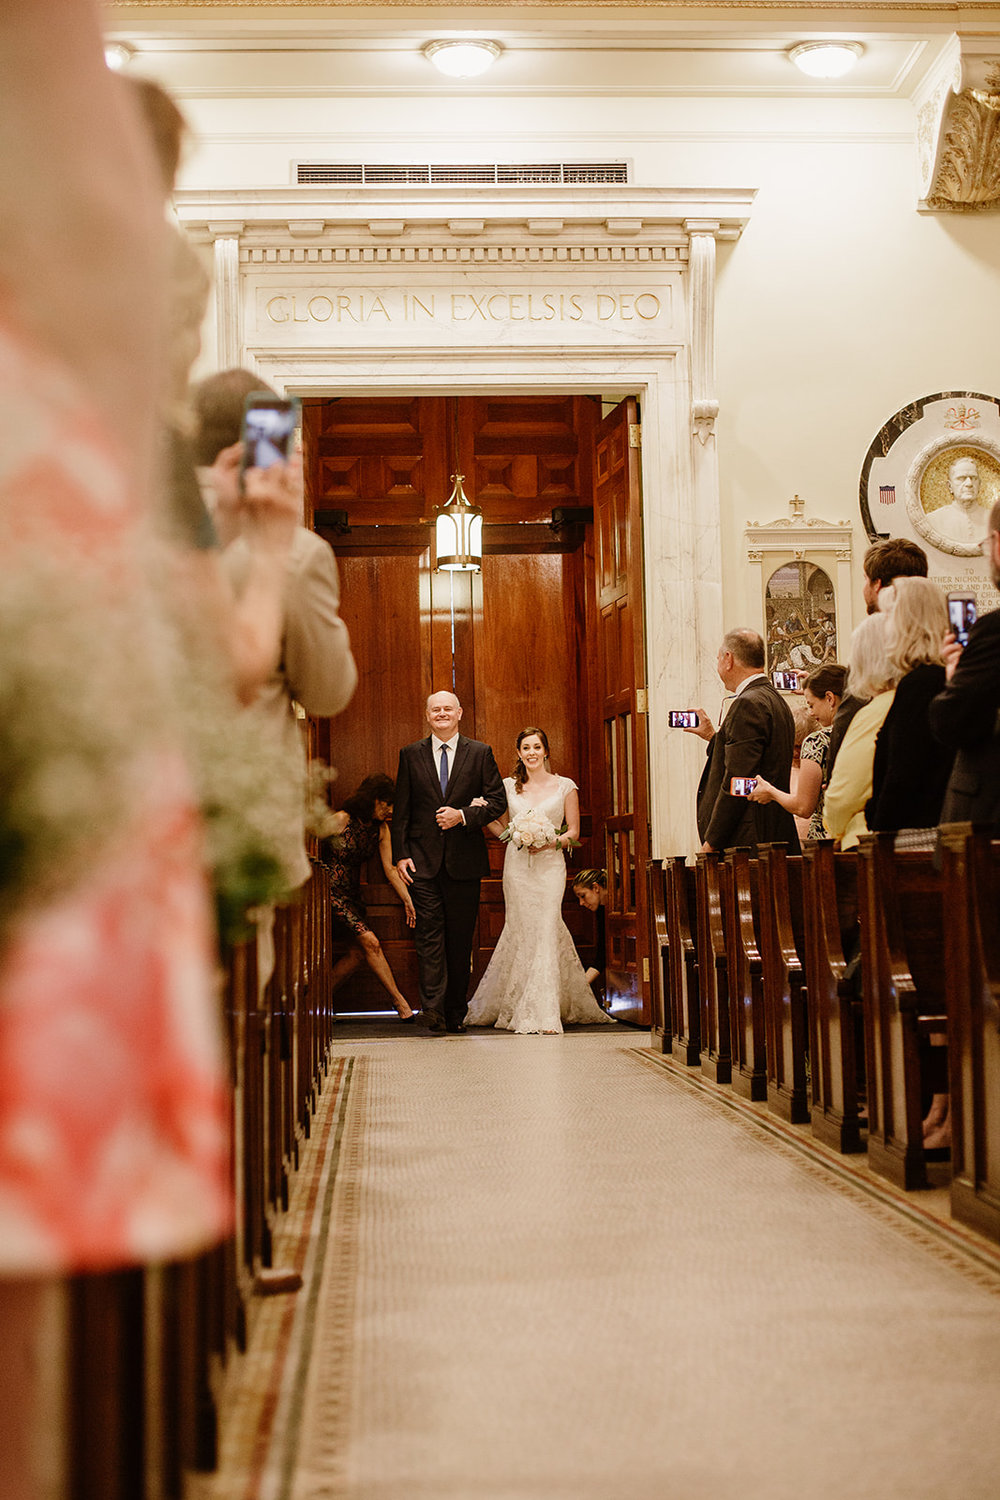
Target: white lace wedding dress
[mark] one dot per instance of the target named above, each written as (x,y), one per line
(535,981)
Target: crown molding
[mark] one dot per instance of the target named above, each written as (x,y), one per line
(607,223)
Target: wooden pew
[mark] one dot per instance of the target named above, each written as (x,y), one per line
(971,875)
(830,913)
(902,955)
(682,960)
(659,948)
(711,883)
(782,940)
(745,976)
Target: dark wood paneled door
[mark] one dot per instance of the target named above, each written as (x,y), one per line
(514,641)
(621,707)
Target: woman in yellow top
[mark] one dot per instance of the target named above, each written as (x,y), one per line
(870,677)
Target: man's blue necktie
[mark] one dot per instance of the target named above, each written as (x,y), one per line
(444,769)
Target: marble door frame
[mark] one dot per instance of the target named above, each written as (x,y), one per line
(273,251)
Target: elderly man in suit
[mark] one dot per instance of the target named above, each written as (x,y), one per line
(966,715)
(756,737)
(447,789)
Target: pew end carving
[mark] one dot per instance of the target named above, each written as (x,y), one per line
(712,885)
(902,943)
(682,960)
(830,918)
(970,865)
(745,975)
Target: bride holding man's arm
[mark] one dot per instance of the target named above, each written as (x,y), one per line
(535,981)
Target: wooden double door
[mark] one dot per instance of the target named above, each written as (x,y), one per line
(549,633)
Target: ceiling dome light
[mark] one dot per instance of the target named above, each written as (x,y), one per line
(462,59)
(825,59)
(118,55)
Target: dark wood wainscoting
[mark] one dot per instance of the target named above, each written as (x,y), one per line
(519,643)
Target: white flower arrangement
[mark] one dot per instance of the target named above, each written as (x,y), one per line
(78,709)
(531,830)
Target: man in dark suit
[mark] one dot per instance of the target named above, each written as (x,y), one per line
(966,715)
(447,789)
(756,737)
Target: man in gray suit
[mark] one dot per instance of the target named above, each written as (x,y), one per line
(303,640)
(314,665)
(756,737)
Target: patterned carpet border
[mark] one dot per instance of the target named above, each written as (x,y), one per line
(965,1251)
(263,1401)
(325,1379)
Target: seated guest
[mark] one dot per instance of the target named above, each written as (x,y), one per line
(359,828)
(870,679)
(911,768)
(591,890)
(756,738)
(964,716)
(822,691)
(885,561)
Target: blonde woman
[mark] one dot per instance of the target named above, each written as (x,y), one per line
(911,768)
(870,678)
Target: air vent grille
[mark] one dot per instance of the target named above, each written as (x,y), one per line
(435,174)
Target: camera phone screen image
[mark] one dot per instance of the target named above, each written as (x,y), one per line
(786,682)
(682,718)
(268,434)
(742,786)
(961,616)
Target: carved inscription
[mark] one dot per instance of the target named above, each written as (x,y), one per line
(466,307)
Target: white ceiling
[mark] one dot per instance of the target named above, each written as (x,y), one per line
(555,50)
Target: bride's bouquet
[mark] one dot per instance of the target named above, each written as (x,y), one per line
(533,830)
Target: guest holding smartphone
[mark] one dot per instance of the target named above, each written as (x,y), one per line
(822,692)
(756,738)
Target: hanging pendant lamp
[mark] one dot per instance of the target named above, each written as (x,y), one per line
(458,533)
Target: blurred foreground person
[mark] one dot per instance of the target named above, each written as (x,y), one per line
(112,1098)
(314,666)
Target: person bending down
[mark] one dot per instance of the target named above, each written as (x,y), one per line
(591,890)
(359,828)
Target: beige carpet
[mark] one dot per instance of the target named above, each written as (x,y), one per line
(551,1271)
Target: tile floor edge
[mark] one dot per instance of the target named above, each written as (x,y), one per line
(960,1239)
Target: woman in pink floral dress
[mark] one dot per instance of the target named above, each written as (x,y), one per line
(112,1095)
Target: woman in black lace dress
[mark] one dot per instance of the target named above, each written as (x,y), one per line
(359,828)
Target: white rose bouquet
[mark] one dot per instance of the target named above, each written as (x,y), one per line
(533,830)
(530,830)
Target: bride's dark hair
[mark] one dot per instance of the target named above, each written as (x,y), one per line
(519,770)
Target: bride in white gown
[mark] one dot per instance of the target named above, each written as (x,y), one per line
(535,981)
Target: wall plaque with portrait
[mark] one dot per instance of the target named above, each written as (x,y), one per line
(931,475)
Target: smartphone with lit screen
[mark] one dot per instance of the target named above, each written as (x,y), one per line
(683,718)
(962,616)
(741,786)
(268,433)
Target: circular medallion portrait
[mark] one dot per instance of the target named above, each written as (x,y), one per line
(950,490)
(931,475)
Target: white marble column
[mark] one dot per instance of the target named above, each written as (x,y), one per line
(228,322)
(706,540)
(701,269)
